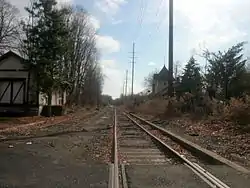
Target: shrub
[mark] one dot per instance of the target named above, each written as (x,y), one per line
(238,110)
(173,107)
(55,111)
(152,107)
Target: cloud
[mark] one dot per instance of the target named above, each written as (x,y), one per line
(116,22)
(64,1)
(151,63)
(208,23)
(213,23)
(108,63)
(113,82)
(95,22)
(20,4)
(114,78)
(109,7)
(107,44)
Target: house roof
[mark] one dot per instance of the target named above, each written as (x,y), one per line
(163,74)
(9,54)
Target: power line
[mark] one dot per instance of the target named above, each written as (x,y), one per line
(144,6)
(157,15)
(159,8)
(139,20)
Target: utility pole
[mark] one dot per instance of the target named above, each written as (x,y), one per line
(126,83)
(171,43)
(123,88)
(133,70)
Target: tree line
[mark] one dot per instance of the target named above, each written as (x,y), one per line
(59,45)
(226,75)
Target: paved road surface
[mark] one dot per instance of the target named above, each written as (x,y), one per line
(61,161)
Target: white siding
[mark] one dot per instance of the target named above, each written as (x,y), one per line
(160,85)
(42,99)
(56,98)
(14,63)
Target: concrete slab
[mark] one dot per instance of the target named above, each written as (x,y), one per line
(146,152)
(131,132)
(145,156)
(230,176)
(134,142)
(171,176)
(148,161)
(149,150)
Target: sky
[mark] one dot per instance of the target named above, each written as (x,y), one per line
(198,24)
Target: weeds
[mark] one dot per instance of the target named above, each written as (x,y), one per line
(236,110)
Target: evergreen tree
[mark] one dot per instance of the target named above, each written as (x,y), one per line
(191,79)
(226,71)
(44,44)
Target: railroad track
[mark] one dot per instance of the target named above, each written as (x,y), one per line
(136,147)
(138,143)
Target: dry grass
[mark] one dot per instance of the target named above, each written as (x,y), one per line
(152,107)
(236,111)
(54,122)
(9,123)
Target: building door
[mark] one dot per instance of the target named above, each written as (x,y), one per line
(12,91)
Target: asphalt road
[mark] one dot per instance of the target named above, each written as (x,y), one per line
(63,161)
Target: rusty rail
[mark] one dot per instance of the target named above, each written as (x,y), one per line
(207,177)
(192,146)
(114,174)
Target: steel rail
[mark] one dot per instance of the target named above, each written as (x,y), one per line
(207,177)
(187,143)
(124,177)
(116,167)
(114,182)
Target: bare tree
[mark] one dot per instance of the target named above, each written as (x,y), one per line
(149,79)
(78,69)
(93,85)
(9,27)
(82,54)
(177,69)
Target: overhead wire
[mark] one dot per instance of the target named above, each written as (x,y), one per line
(158,26)
(157,15)
(143,9)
